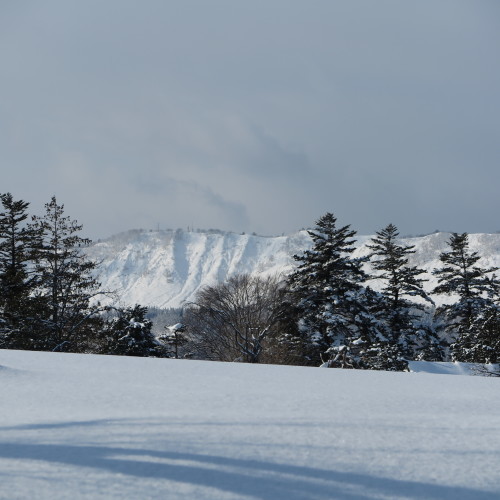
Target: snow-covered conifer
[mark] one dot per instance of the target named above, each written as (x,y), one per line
(402,283)
(65,283)
(17,242)
(472,318)
(129,334)
(335,309)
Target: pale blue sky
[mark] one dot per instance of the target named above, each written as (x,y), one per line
(253,115)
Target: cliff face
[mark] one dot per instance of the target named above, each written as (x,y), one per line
(166,268)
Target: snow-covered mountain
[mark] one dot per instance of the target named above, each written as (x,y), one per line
(167,268)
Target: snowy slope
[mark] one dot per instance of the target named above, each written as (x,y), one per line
(105,427)
(166,268)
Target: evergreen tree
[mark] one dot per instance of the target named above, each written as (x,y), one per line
(129,334)
(16,249)
(291,346)
(406,332)
(65,283)
(481,343)
(334,307)
(468,320)
(17,243)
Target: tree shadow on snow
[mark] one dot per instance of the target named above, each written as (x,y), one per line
(260,479)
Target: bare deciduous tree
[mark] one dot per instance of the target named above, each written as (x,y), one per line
(238,320)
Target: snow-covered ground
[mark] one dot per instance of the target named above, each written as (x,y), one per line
(80,426)
(167,268)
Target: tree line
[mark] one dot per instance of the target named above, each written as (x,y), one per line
(49,295)
(324,313)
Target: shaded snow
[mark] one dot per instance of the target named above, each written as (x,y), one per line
(82,426)
(442,368)
(167,268)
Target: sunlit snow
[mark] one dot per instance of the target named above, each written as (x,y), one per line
(167,268)
(82,426)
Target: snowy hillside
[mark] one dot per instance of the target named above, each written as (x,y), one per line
(166,268)
(104,427)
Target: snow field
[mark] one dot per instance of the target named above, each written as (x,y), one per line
(82,426)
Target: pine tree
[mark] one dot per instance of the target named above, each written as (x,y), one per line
(291,346)
(334,307)
(468,320)
(406,331)
(130,334)
(17,243)
(481,343)
(65,282)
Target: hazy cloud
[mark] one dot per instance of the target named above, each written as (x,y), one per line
(254,115)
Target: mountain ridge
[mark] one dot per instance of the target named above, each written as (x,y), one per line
(165,268)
